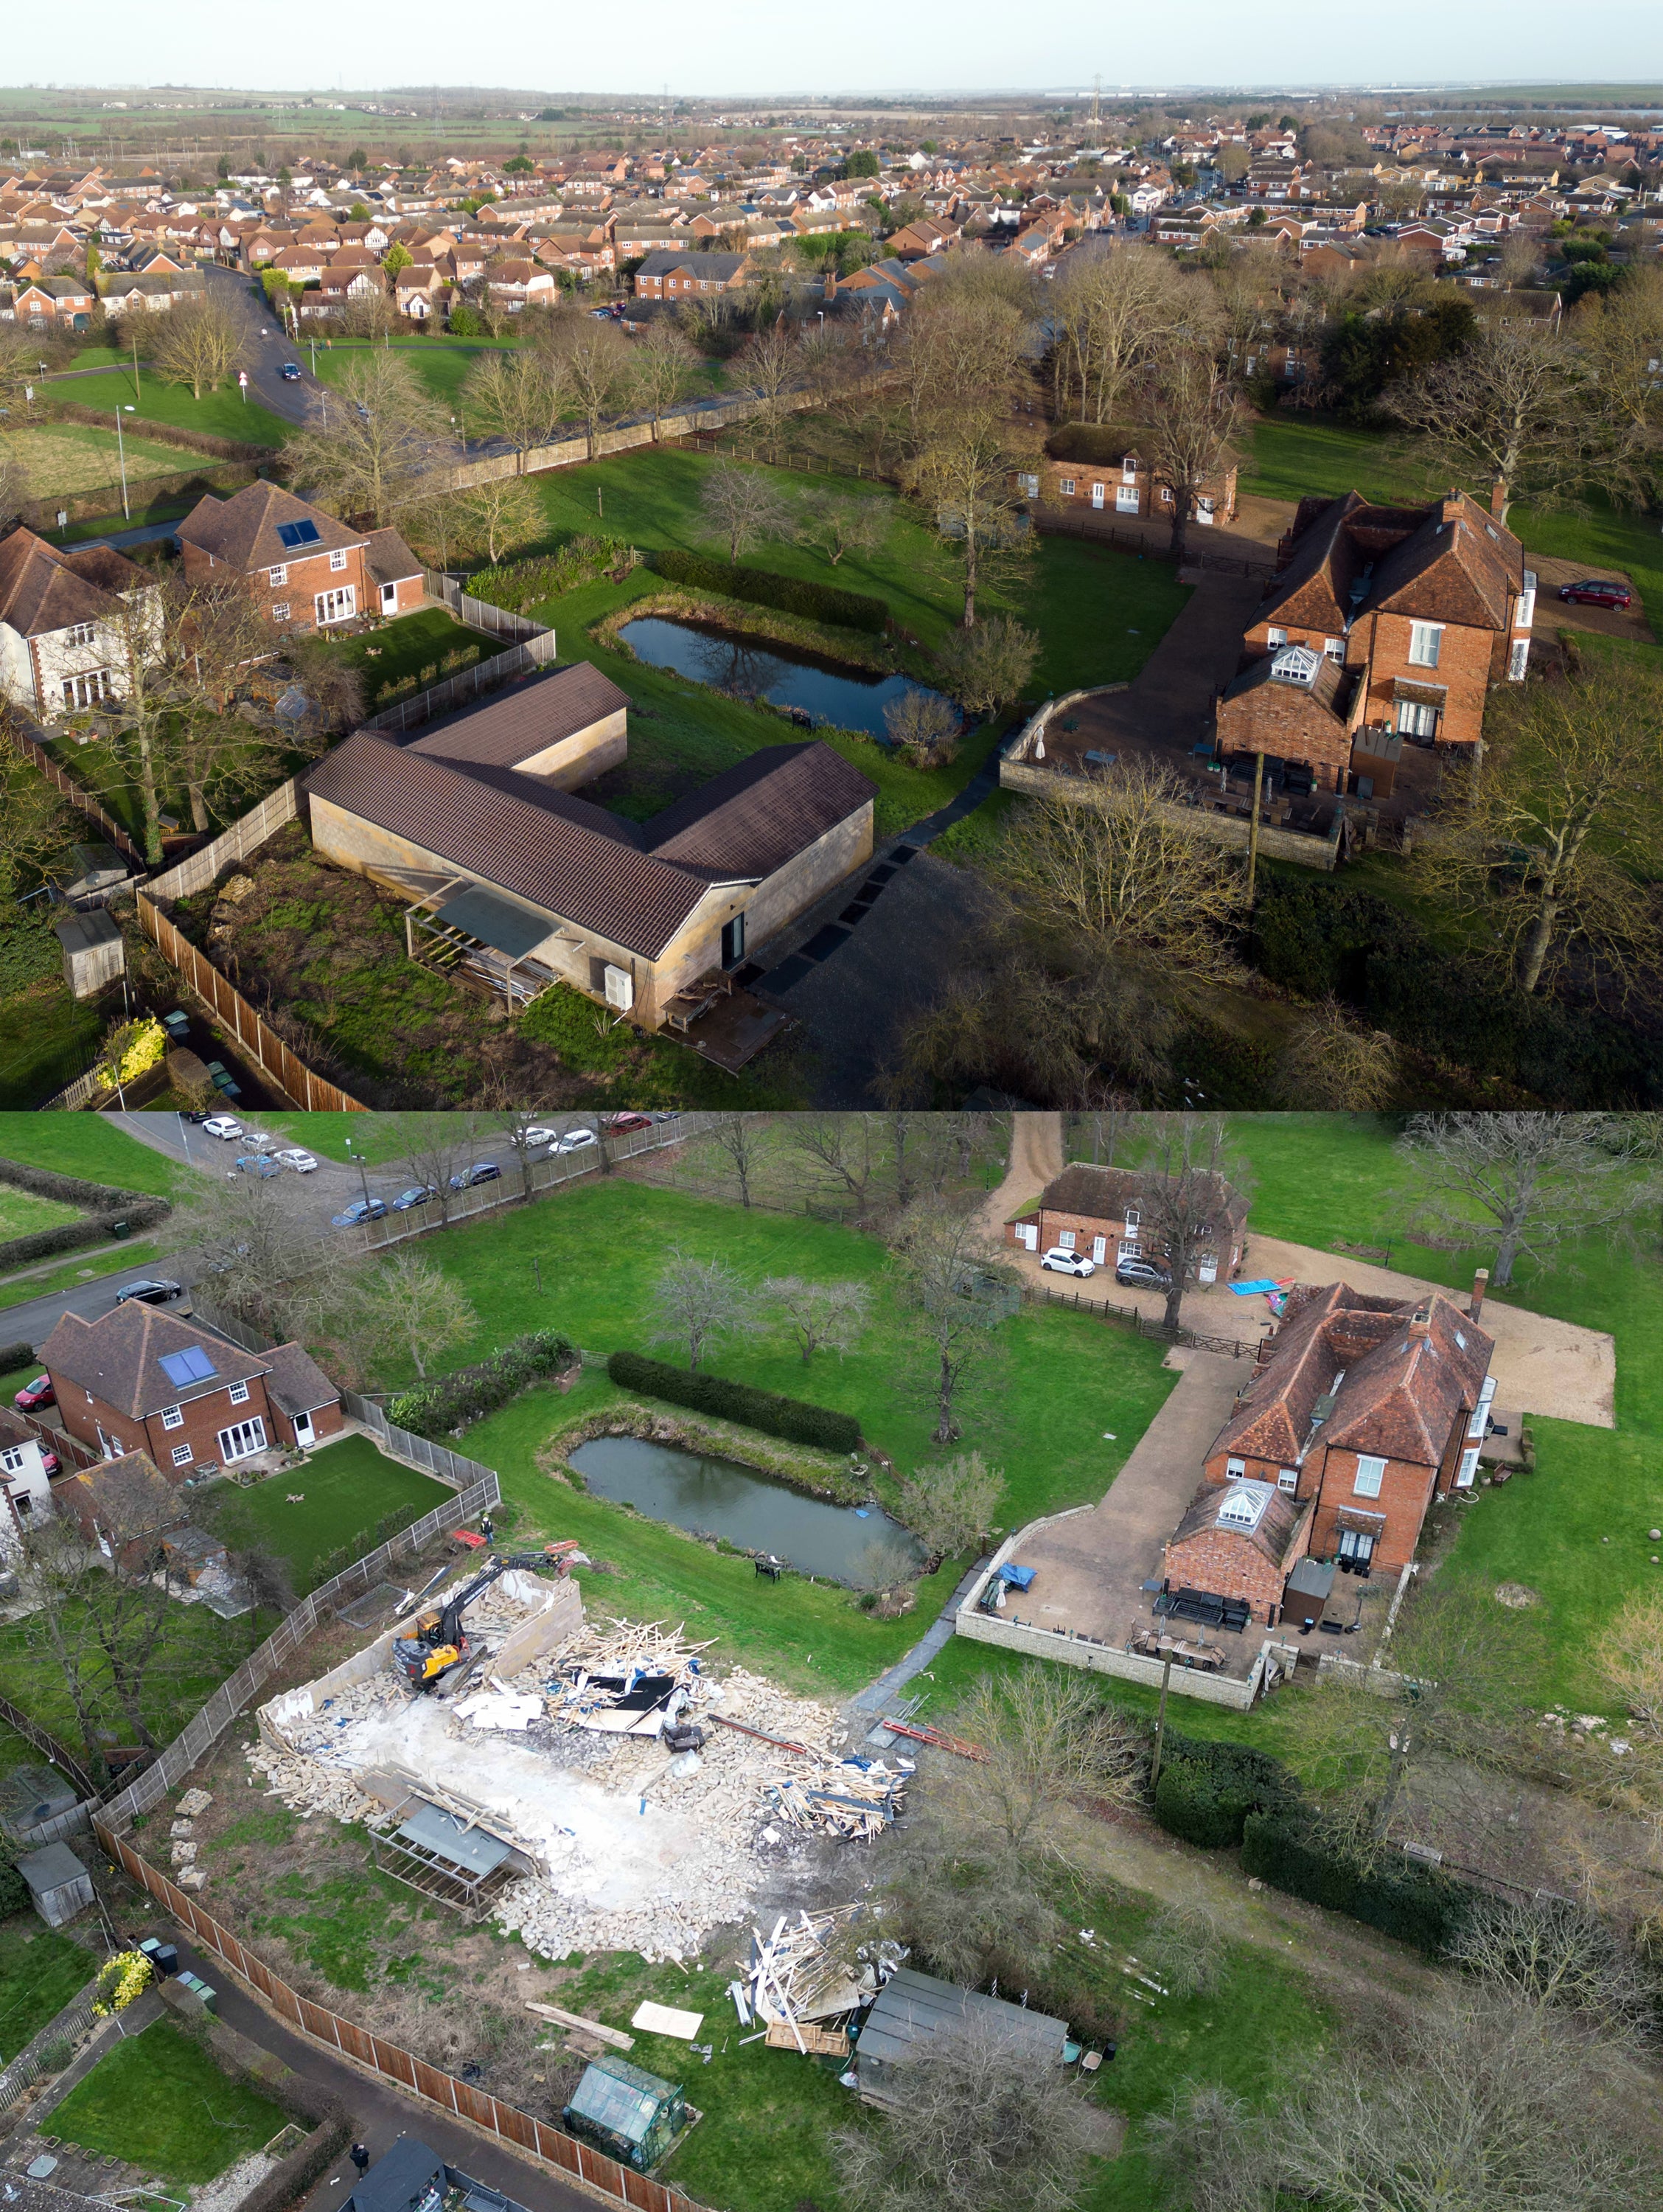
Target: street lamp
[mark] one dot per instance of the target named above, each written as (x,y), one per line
(121,454)
(362,1177)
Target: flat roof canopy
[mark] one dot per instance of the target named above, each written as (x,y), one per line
(495,921)
(433,1830)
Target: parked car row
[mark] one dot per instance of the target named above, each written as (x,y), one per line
(1136,1274)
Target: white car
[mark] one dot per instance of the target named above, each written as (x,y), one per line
(574,1140)
(535,1135)
(257,1140)
(1062,1262)
(223,1126)
(302,1162)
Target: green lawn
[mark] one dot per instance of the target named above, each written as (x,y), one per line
(18,1290)
(1069,1379)
(86,1144)
(40,1969)
(221,414)
(442,368)
(407,646)
(349,1489)
(21,1213)
(158,2102)
(377,1138)
(46,1039)
(197,1652)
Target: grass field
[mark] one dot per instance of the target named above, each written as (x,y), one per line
(64,458)
(158,2102)
(47,1038)
(349,1488)
(86,1144)
(221,414)
(40,1969)
(22,1212)
(198,1650)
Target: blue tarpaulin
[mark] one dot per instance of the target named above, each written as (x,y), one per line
(1251,1290)
(1018,1578)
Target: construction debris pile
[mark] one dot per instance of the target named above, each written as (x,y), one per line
(648,1801)
(811,1974)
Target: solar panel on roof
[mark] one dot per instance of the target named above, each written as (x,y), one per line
(294,534)
(191,1365)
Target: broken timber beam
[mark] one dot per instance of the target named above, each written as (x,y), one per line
(779,1742)
(612,2035)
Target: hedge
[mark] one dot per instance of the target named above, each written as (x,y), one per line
(791,1418)
(1316,938)
(106,1204)
(16,1895)
(164,433)
(1207,1789)
(793,595)
(13,1356)
(434,1409)
(28,954)
(1417,1904)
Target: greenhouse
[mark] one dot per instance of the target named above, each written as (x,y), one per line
(624,2111)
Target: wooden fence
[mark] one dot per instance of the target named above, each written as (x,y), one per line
(390,2062)
(82,801)
(457,690)
(245,835)
(1052,519)
(48,1745)
(30,2063)
(286,1071)
(1129,1316)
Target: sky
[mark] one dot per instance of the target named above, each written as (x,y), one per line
(753,50)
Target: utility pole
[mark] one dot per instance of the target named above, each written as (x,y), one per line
(121,455)
(1253,827)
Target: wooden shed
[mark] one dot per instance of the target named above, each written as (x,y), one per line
(58,1884)
(93,954)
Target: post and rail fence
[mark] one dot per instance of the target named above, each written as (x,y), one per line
(1139,1323)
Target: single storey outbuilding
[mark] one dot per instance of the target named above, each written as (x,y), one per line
(911,2007)
(58,1884)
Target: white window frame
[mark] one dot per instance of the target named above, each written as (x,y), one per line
(81,633)
(1416,718)
(1371,1472)
(237,1394)
(1524,614)
(335,606)
(1130,1248)
(1518,659)
(280,610)
(1480,1420)
(242,1439)
(1128,470)
(1236,1470)
(183,1454)
(277,576)
(87,689)
(173,1417)
(1273,637)
(1357,1544)
(1468,1467)
(1334,647)
(1066,1239)
(1426,644)
(1065,487)
(1134,1217)
(337,558)
(1125,497)
(12,1460)
(1287,1478)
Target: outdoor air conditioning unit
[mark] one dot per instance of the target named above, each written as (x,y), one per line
(620,989)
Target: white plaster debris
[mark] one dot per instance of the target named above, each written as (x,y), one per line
(194,1803)
(236,2182)
(636,1847)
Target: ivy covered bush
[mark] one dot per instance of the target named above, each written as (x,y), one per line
(447,1402)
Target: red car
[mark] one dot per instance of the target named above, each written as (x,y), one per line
(616,1123)
(34,1395)
(1597,592)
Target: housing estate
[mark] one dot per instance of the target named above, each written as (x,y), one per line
(1385,625)
(1359,1411)
(140,1379)
(518,882)
(63,620)
(1107,1212)
(307,570)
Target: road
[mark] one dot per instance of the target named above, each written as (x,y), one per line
(267,350)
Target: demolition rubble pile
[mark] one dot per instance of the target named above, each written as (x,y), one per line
(812,1973)
(648,1801)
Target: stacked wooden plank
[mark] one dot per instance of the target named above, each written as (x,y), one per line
(819,1968)
(855,1799)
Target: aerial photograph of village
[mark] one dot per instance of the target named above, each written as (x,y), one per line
(831,1115)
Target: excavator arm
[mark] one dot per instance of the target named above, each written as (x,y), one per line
(438,1642)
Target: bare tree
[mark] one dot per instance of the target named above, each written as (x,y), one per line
(1188,426)
(844,1147)
(663,369)
(1549,835)
(594,359)
(955,1300)
(965,476)
(495,517)
(381,449)
(745,1142)
(978,2128)
(986,667)
(432,1148)
(1629,1657)
(1046,1737)
(1548,1953)
(1184,1950)
(1334,1064)
(199,341)
(415,1310)
(333,685)
(695,1302)
(836,523)
(1186,1172)
(1111,311)
(819,1316)
(951,1505)
(924,726)
(1516,404)
(520,396)
(1620,335)
(1530,1181)
(770,364)
(252,1257)
(742,508)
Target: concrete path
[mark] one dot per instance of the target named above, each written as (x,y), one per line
(936,1638)
(1089,1567)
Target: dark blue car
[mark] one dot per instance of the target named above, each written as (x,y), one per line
(360,1209)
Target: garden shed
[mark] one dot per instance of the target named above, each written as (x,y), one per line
(31,1796)
(626,2112)
(911,2008)
(93,954)
(59,1885)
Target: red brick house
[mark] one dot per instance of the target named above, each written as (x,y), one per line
(1422,610)
(1123,483)
(682,276)
(1239,1541)
(140,1379)
(1362,1409)
(1105,1212)
(308,570)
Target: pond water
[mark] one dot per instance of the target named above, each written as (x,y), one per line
(718,1497)
(827,690)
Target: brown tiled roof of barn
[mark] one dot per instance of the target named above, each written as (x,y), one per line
(756,815)
(1425,563)
(524,721)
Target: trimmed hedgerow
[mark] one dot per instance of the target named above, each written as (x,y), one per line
(1207,1789)
(105,1204)
(791,1418)
(1418,1905)
(793,595)
(450,1401)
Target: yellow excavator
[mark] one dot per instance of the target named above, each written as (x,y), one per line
(438,1644)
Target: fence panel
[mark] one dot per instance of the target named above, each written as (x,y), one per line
(29,2064)
(245,835)
(48,1744)
(82,801)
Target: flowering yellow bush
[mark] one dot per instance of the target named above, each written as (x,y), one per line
(120,1979)
(131,1049)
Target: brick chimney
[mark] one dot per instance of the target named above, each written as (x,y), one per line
(831,286)
(1499,500)
(1420,1325)
(1480,1284)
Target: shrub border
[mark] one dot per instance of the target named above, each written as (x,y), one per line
(794,1418)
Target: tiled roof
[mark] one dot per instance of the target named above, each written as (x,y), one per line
(295,1382)
(756,816)
(242,531)
(42,590)
(1446,563)
(1280,1517)
(118,1358)
(388,559)
(524,721)
(1104,1194)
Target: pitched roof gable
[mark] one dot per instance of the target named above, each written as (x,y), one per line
(118,1358)
(524,721)
(756,815)
(242,531)
(43,590)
